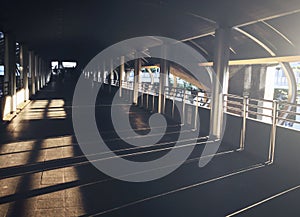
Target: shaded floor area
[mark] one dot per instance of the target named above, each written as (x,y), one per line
(44,172)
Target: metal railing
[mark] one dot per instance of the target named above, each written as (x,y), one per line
(267,111)
(288,118)
(258,109)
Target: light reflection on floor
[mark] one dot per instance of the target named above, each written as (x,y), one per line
(31,153)
(46,109)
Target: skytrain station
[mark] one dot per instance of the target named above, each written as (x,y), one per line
(150,108)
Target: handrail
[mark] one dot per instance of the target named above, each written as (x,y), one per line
(233,104)
(261,100)
(257,113)
(259,107)
(290,112)
(289,104)
(233,96)
(289,120)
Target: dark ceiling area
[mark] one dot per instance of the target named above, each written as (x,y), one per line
(78,30)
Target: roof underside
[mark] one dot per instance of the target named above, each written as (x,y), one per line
(78,30)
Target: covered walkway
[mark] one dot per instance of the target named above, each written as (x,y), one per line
(44,173)
(210,94)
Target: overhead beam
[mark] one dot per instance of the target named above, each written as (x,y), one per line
(178,72)
(244,24)
(258,61)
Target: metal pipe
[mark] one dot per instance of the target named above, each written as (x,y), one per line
(196,112)
(153,96)
(163,102)
(147,99)
(173,104)
(243,130)
(142,95)
(183,107)
(273,134)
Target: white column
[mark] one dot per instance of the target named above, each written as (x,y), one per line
(43,73)
(24,57)
(36,73)
(247,80)
(10,69)
(103,72)
(32,72)
(40,73)
(163,79)
(175,82)
(111,74)
(111,69)
(221,59)
(122,74)
(136,81)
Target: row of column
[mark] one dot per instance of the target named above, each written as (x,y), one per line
(37,71)
(219,81)
(33,75)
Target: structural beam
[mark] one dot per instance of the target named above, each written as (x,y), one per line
(269,60)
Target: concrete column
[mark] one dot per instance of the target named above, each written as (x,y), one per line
(247,80)
(111,74)
(175,82)
(45,73)
(136,81)
(163,79)
(122,74)
(10,70)
(111,71)
(24,58)
(32,72)
(40,73)
(36,73)
(221,59)
(99,79)
(103,73)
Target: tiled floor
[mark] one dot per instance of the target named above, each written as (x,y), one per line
(28,143)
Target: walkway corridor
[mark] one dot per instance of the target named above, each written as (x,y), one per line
(44,173)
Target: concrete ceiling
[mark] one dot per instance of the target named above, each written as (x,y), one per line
(78,30)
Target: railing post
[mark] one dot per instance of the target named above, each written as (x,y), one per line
(147,98)
(196,112)
(273,133)
(173,104)
(183,107)
(245,115)
(164,100)
(153,100)
(142,94)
